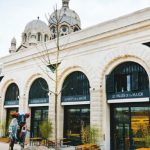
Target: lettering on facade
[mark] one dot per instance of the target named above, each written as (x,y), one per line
(75,98)
(12,102)
(38,101)
(127,95)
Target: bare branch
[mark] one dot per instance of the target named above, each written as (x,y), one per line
(48,90)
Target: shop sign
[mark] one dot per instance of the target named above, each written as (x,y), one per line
(124,95)
(38,101)
(12,102)
(75,98)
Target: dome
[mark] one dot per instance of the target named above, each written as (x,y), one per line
(35,32)
(69,16)
(36,25)
(68,20)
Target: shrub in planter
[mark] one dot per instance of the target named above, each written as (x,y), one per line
(46,129)
(89,135)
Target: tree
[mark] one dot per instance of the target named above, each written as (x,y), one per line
(53,67)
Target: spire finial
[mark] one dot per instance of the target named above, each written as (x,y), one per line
(65,3)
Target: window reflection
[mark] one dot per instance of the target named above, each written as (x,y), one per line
(128,76)
(140,124)
(131,128)
(38,114)
(74,118)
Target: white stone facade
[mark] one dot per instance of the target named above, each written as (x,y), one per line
(95,51)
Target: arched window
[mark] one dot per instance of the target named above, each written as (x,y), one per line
(76,87)
(39,91)
(25,37)
(53,29)
(76,29)
(12,95)
(39,36)
(45,37)
(127,77)
(29,35)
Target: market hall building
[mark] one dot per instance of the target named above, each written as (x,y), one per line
(103,74)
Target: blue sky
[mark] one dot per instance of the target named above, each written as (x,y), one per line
(15,14)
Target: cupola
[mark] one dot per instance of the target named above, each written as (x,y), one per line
(67,19)
(12,48)
(35,32)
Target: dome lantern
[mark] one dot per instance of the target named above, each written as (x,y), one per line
(65,3)
(13,45)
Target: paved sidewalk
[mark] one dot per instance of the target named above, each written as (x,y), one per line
(65,148)
(5,146)
(45,148)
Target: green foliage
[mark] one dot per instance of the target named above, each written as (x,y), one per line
(85,134)
(46,129)
(147,141)
(89,134)
(146,135)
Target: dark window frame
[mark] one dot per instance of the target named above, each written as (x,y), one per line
(116,81)
(39,89)
(12,92)
(76,85)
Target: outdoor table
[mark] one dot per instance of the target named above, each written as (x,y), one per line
(60,142)
(52,143)
(35,141)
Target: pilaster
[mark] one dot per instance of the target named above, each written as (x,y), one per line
(51,114)
(96,114)
(22,103)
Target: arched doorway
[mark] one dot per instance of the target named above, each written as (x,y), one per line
(11,102)
(38,101)
(76,100)
(127,88)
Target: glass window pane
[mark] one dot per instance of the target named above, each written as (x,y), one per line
(121,126)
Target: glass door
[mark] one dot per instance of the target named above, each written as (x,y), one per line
(121,128)
(74,118)
(130,126)
(38,115)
